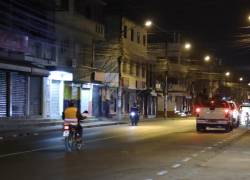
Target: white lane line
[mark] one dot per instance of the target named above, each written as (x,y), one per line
(194,155)
(161,173)
(25,152)
(176,166)
(149,179)
(215,145)
(203,151)
(220,142)
(209,147)
(187,159)
(36,134)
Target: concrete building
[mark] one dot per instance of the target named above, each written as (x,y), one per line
(78,28)
(124,54)
(27,46)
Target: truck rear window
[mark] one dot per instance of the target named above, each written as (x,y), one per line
(216,104)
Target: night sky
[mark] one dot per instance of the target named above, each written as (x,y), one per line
(213,26)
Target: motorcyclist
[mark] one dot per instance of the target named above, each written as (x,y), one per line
(72,116)
(134,118)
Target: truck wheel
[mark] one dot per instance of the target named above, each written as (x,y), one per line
(228,128)
(200,129)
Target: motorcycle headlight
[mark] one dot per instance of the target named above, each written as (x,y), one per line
(132,113)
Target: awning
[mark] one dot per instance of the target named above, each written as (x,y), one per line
(25,68)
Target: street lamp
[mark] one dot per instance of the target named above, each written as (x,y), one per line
(187,46)
(148,23)
(207,58)
(227,74)
(248,84)
(241,79)
(248,18)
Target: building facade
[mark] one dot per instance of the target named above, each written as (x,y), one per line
(124,54)
(27,47)
(78,28)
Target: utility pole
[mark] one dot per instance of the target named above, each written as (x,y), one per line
(119,93)
(92,76)
(166,94)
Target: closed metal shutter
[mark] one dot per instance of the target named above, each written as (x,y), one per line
(55,99)
(18,93)
(3,94)
(35,96)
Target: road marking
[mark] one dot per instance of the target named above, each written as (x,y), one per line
(220,142)
(148,179)
(203,151)
(51,147)
(209,147)
(36,134)
(195,155)
(14,135)
(161,173)
(187,159)
(101,139)
(176,166)
(25,152)
(215,145)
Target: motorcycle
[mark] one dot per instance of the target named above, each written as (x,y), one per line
(134,118)
(72,139)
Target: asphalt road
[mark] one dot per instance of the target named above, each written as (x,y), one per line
(166,149)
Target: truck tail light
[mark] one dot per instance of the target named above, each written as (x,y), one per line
(197,110)
(226,113)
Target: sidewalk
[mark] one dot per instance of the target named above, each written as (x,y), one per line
(30,127)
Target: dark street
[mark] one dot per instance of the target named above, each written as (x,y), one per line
(167,149)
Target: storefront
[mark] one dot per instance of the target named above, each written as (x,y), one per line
(21,92)
(56,84)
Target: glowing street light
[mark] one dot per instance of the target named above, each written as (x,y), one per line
(187,46)
(227,74)
(207,58)
(148,23)
(248,18)
(241,79)
(248,84)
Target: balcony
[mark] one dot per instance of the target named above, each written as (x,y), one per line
(80,23)
(18,47)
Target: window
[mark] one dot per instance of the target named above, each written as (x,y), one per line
(138,37)
(124,67)
(131,70)
(125,31)
(132,34)
(144,40)
(62,5)
(137,70)
(143,71)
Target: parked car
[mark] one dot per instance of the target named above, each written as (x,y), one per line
(215,114)
(244,112)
